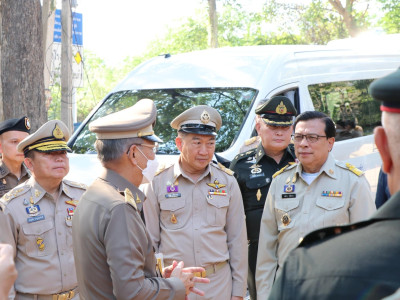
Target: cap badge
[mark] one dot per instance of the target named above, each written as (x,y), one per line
(57,132)
(27,123)
(205,117)
(281,109)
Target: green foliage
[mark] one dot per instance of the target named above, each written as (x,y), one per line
(391,19)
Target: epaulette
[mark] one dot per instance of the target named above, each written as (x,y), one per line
(245,154)
(162,167)
(351,168)
(285,168)
(129,198)
(75,184)
(250,141)
(15,192)
(225,169)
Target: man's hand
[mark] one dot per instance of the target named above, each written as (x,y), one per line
(186,276)
(8,272)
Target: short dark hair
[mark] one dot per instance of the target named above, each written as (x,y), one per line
(330,130)
(30,154)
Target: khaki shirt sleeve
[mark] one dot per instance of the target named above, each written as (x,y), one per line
(237,241)
(362,204)
(128,277)
(8,235)
(267,260)
(151,210)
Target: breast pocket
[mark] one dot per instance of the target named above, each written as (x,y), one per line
(39,238)
(285,213)
(333,211)
(216,210)
(172,213)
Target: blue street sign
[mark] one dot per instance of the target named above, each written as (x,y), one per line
(77,32)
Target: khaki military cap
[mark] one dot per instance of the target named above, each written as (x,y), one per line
(278,111)
(201,119)
(135,121)
(52,136)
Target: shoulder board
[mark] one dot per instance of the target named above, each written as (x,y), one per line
(225,169)
(129,198)
(75,184)
(162,167)
(250,141)
(351,168)
(15,192)
(285,168)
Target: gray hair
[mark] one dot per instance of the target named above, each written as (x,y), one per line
(109,150)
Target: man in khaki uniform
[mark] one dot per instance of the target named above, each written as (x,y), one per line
(113,252)
(196,209)
(37,218)
(12,169)
(317,192)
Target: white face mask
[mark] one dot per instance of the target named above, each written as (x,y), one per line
(150,170)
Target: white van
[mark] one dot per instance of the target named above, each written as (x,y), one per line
(332,79)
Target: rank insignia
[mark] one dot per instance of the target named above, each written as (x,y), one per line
(285,220)
(288,188)
(37,193)
(216,185)
(70,211)
(72,202)
(40,243)
(33,210)
(138,199)
(173,219)
(332,194)
(258,195)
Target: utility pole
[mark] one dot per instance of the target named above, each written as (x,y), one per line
(66,65)
(48,33)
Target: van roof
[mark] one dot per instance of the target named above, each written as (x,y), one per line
(229,66)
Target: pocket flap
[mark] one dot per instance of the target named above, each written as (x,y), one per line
(256,183)
(172,204)
(330,203)
(287,204)
(218,201)
(37,228)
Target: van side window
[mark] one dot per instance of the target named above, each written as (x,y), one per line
(348,104)
(232,103)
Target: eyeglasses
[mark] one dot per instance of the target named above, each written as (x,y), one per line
(311,138)
(154,147)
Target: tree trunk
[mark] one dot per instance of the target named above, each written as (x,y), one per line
(22,62)
(213,35)
(346,13)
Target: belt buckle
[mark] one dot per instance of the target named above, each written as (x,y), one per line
(64,296)
(200,274)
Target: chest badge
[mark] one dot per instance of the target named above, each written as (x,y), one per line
(74,203)
(217,188)
(289,188)
(173,187)
(174,220)
(258,195)
(40,243)
(255,169)
(70,211)
(33,210)
(286,219)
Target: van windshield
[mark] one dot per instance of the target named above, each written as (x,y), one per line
(232,103)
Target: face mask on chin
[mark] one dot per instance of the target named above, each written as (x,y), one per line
(150,170)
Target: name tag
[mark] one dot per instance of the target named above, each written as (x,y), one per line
(173,195)
(285,196)
(35,219)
